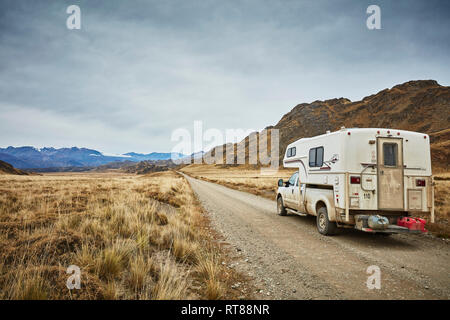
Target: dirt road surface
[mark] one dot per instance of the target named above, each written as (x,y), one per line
(288,259)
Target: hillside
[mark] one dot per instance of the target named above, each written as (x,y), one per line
(421,106)
(145,167)
(6,168)
(142,167)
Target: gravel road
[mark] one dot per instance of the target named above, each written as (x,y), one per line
(288,259)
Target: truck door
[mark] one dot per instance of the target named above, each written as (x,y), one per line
(289,200)
(298,195)
(390,173)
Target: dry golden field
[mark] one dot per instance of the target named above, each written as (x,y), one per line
(442,205)
(262,183)
(133,237)
(265,184)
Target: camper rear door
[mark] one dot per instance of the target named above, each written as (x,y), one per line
(390,173)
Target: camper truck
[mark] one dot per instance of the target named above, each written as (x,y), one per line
(371,179)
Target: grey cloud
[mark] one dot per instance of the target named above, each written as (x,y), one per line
(139,69)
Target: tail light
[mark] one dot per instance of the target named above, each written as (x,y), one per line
(420,183)
(355,180)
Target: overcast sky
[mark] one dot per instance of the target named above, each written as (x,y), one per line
(137,70)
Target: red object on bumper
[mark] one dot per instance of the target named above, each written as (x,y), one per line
(412,223)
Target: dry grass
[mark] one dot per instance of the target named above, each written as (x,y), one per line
(263,184)
(208,267)
(133,238)
(441,227)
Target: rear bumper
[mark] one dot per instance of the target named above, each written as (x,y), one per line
(380,224)
(392,228)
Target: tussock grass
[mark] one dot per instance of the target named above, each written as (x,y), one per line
(171,285)
(209,268)
(214,289)
(110,291)
(441,226)
(111,262)
(133,237)
(184,249)
(140,276)
(31,286)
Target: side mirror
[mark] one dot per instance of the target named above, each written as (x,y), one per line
(280,182)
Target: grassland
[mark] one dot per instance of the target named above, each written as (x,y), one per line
(264,183)
(442,205)
(259,182)
(133,237)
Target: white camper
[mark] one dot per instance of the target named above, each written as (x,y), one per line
(368,178)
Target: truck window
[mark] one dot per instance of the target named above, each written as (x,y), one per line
(312,157)
(319,157)
(291,152)
(390,154)
(293,179)
(316,157)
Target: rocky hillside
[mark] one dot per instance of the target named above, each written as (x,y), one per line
(148,166)
(421,106)
(142,167)
(6,168)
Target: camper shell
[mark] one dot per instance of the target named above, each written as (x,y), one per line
(354,173)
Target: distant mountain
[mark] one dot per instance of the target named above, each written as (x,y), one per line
(13,160)
(30,157)
(141,167)
(194,156)
(155,156)
(197,155)
(148,166)
(6,168)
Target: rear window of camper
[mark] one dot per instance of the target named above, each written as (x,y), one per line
(291,152)
(316,157)
(390,154)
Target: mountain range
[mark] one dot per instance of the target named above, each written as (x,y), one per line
(33,158)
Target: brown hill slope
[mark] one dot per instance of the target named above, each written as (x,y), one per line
(6,168)
(148,166)
(421,106)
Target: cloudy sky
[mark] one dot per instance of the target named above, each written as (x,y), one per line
(137,70)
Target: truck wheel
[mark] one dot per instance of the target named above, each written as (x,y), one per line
(325,226)
(281,210)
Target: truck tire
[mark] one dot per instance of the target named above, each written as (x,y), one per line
(325,226)
(281,210)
